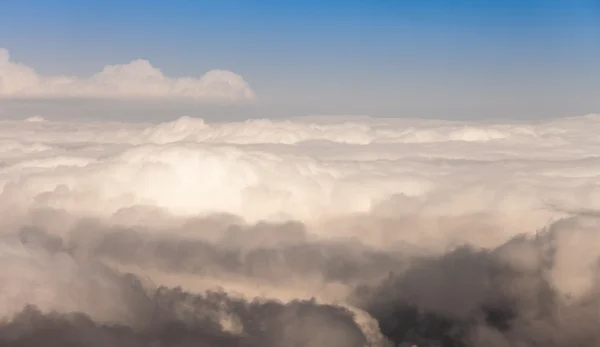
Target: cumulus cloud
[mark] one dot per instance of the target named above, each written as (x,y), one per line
(137,79)
(345,231)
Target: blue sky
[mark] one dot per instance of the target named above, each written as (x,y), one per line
(429,58)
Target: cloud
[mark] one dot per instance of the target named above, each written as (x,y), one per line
(530,291)
(35,119)
(137,79)
(118,310)
(313,172)
(347,231)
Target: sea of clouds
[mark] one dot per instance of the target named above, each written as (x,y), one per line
(313,231)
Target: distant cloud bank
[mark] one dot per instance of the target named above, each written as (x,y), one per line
(135,80)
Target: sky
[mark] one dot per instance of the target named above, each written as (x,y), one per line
(427,58)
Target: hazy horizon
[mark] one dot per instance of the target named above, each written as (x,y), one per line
(431,59)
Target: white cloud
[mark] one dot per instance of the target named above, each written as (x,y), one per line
(37,118)
(263,169)
(387,183)
(137,79)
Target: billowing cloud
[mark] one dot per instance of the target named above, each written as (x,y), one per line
(311,232)
(137,79)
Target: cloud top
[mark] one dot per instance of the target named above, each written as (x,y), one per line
(137,79)
(403,232)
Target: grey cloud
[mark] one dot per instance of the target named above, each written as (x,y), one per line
(177,318)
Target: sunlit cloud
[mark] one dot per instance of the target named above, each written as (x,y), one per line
(137,79)
(336,231)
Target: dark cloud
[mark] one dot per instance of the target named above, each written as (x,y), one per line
(471,298)
(173,317)
(467,297)
(266,251)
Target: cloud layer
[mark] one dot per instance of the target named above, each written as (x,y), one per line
(320,231)
(137,79)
